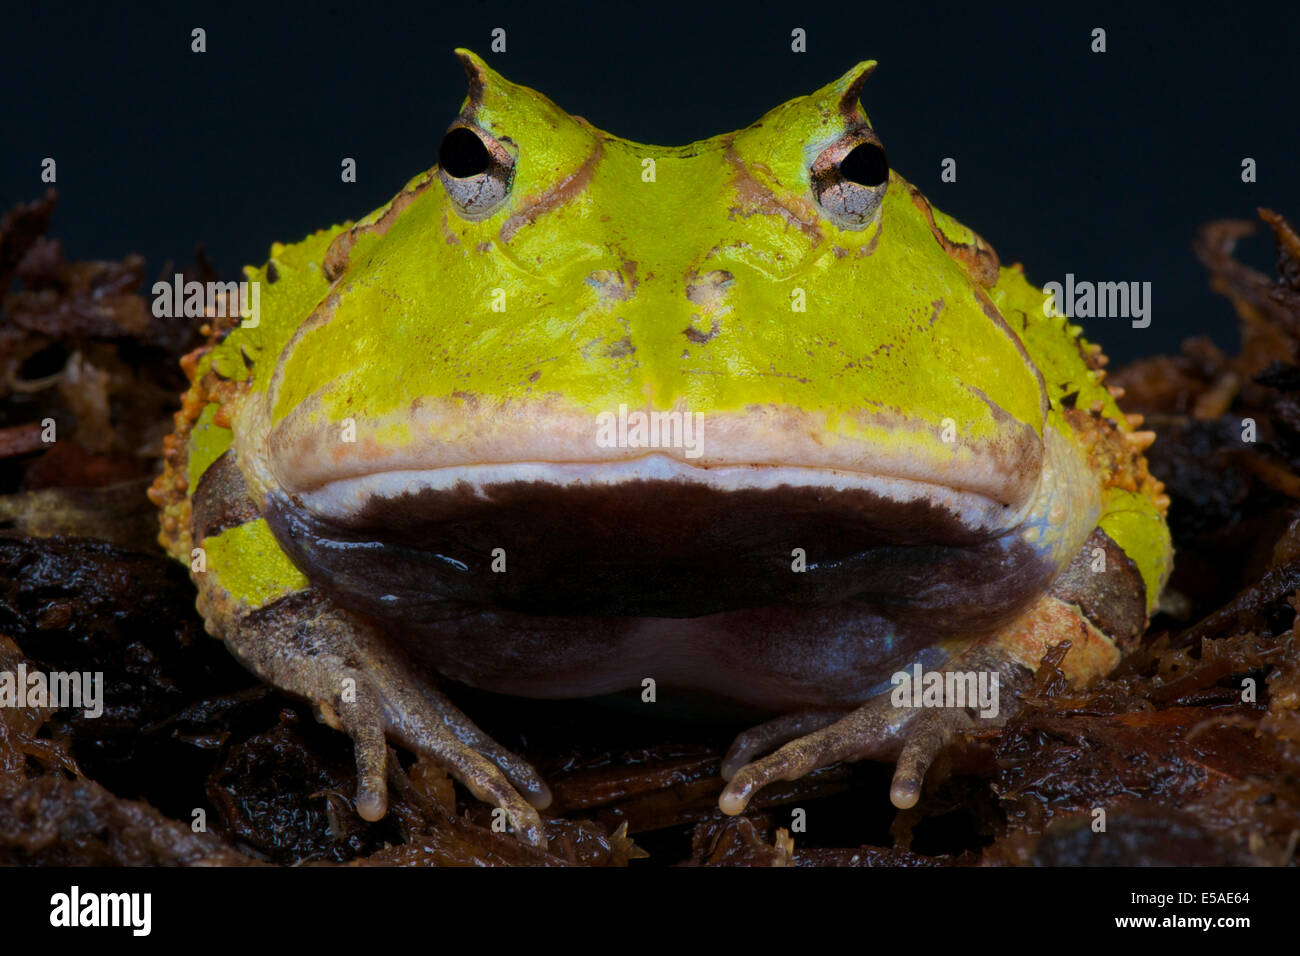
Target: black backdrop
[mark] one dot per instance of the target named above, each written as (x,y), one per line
(1097,164)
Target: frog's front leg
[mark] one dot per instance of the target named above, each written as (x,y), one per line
(1101,613)
(293,637)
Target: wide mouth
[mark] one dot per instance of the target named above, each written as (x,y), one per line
(652,536)
(349,500)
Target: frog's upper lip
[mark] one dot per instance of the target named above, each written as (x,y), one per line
(445,444)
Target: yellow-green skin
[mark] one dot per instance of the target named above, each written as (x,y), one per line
(877,337)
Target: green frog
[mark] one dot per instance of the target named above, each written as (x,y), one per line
(747,420)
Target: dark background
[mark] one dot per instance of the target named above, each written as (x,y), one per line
(1098,164)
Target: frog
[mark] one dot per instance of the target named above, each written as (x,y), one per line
(849,444)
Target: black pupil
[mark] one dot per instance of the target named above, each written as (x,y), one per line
(865,165)
(463,154)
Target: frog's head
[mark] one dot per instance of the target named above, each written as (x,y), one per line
(812,341)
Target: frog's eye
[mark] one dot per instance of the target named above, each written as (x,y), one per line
(849,178)
(476,171)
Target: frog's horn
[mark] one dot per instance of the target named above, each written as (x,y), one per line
(478,73)
(849,86)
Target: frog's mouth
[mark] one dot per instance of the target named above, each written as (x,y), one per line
(657,537)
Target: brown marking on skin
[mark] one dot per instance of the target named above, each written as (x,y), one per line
(320,316)
(1027,464)
(997,319)
(621,349)
(610,284)
(705,290)
(529,208)
(870,247)
(978,258)
(477,80)
(853,93)
(1114,600)
(937,306)
(221,501)
(448,234)
(702,338)
(753,197)
(336,256)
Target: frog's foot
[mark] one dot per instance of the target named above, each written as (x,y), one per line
(915,736)
(878,730)
(359,684)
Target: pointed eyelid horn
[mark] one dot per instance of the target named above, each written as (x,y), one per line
(849,86)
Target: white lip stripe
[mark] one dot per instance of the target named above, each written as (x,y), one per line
(346,497)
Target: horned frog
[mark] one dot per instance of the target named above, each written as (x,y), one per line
(903,460)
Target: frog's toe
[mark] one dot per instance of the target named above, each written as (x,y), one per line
(486,781)
(527,781)
(875,730)
(432,725)
(926,735)
(364,723)
(764,737)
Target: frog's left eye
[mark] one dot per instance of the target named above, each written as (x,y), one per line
(476,171)
(849,178)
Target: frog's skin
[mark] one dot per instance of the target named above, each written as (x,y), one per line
(965,489)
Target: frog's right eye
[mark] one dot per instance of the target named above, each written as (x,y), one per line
(850,177)
(476,171)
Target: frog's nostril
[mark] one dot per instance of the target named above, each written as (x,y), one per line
(865,165)
(463,154)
